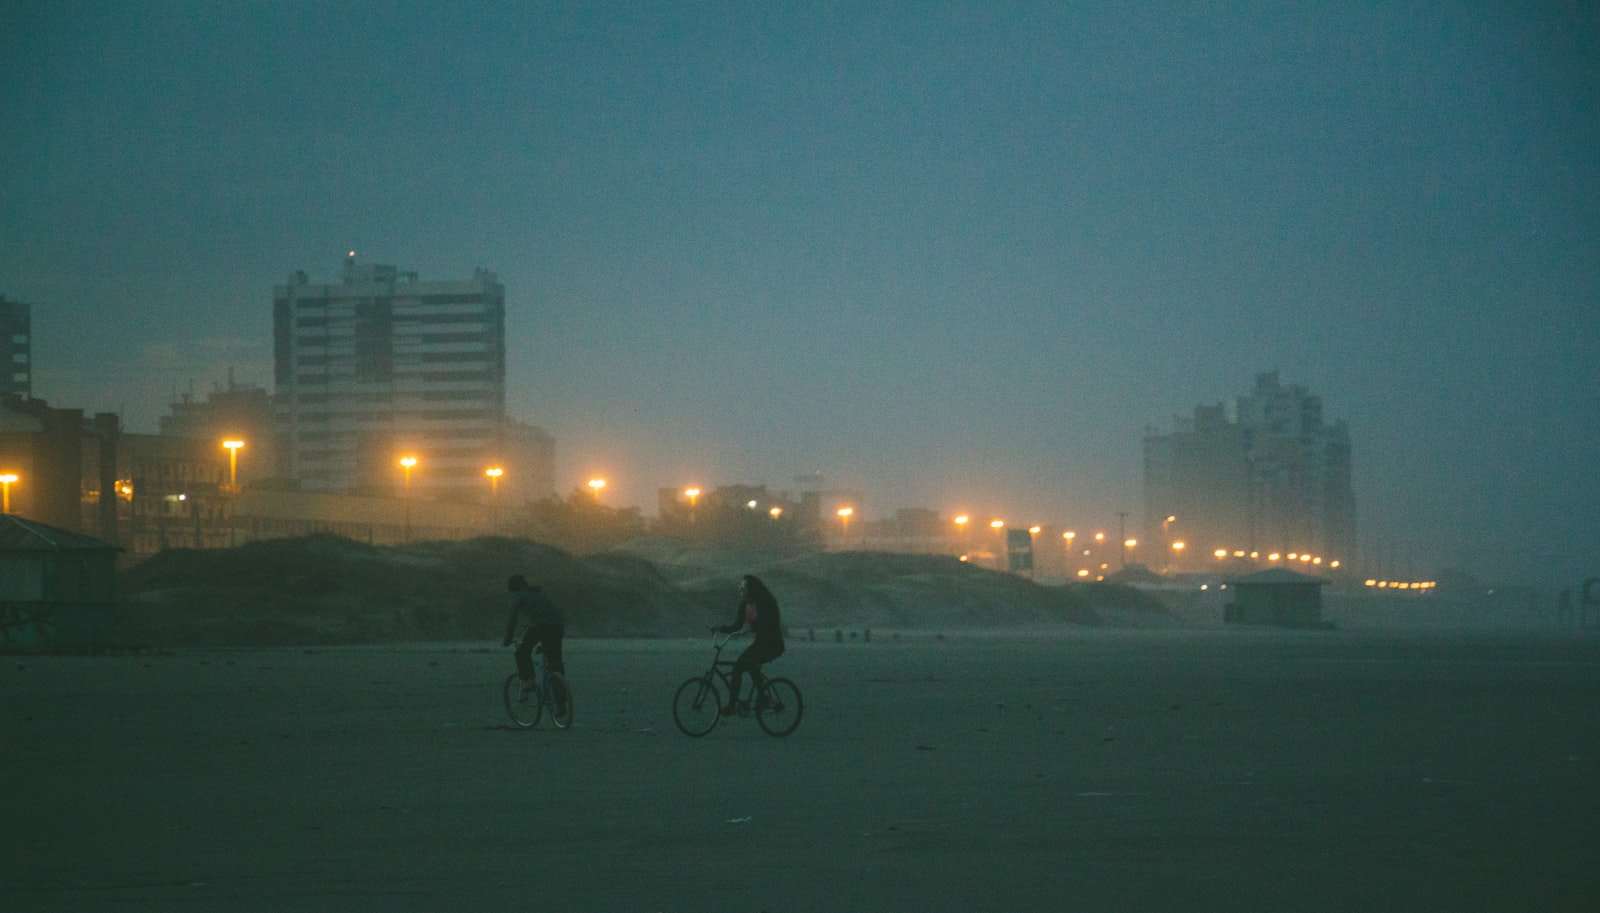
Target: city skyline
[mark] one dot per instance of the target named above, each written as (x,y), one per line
(960,257)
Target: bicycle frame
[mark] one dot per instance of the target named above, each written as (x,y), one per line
(723,668)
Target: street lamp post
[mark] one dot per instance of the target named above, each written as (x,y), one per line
(596,485)
(845,513)
(407,463)
(5,491)
(1122,533)
(233,465)
(494,473)
(233,487)
(1067,537)
(961,527)
(999,526)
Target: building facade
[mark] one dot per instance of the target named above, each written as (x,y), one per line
(382,366)
(1270,476)
(238,412)
(16,349)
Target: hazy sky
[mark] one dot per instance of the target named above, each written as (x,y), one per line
(959,255)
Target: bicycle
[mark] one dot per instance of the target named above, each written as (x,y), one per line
(697,705)
(550,690)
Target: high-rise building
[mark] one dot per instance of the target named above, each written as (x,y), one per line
(16,349)
(1269,475)
(382,366)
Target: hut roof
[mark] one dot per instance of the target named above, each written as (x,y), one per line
(1277,575)
(20,535)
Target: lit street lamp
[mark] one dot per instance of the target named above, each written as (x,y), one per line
(1068,536)
(5,491)
(691,494)
(233,484)
(494,473)
(407,463)
(596,485)
(233,464)
(844,520)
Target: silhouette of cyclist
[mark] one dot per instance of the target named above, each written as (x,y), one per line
(758,609)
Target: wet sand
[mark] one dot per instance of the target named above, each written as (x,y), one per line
(1211,769)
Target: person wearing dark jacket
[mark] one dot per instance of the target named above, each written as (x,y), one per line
(546,625)
(758,609)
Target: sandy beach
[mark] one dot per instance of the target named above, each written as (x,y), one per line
(1085,769)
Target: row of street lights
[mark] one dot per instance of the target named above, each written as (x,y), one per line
(596,485)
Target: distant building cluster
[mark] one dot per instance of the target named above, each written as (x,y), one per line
(1263,476)
(387,421)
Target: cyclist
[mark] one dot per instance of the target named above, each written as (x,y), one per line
(758,609)
(547,627)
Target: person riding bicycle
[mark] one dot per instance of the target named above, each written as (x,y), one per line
(758,609)
(546,628)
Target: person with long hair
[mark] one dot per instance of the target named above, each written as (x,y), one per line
(757,611)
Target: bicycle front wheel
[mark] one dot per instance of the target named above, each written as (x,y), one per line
(560,700)
(524,707)
(779,707)
(697,705)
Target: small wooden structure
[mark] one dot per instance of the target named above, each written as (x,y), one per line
(1276,596)
(58,589)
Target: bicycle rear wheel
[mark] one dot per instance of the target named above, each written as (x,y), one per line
(779,707)
(524,707)
(697,705)
(560,700)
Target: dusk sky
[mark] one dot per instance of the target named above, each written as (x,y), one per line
(962,256)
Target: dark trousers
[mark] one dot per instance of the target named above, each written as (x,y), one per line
(548,635)
(750,660)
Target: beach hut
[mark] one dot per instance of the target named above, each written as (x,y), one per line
(1276,596)
(58,589)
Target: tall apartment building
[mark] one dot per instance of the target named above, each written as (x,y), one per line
(381,366)
(1268,475)
(16,349)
